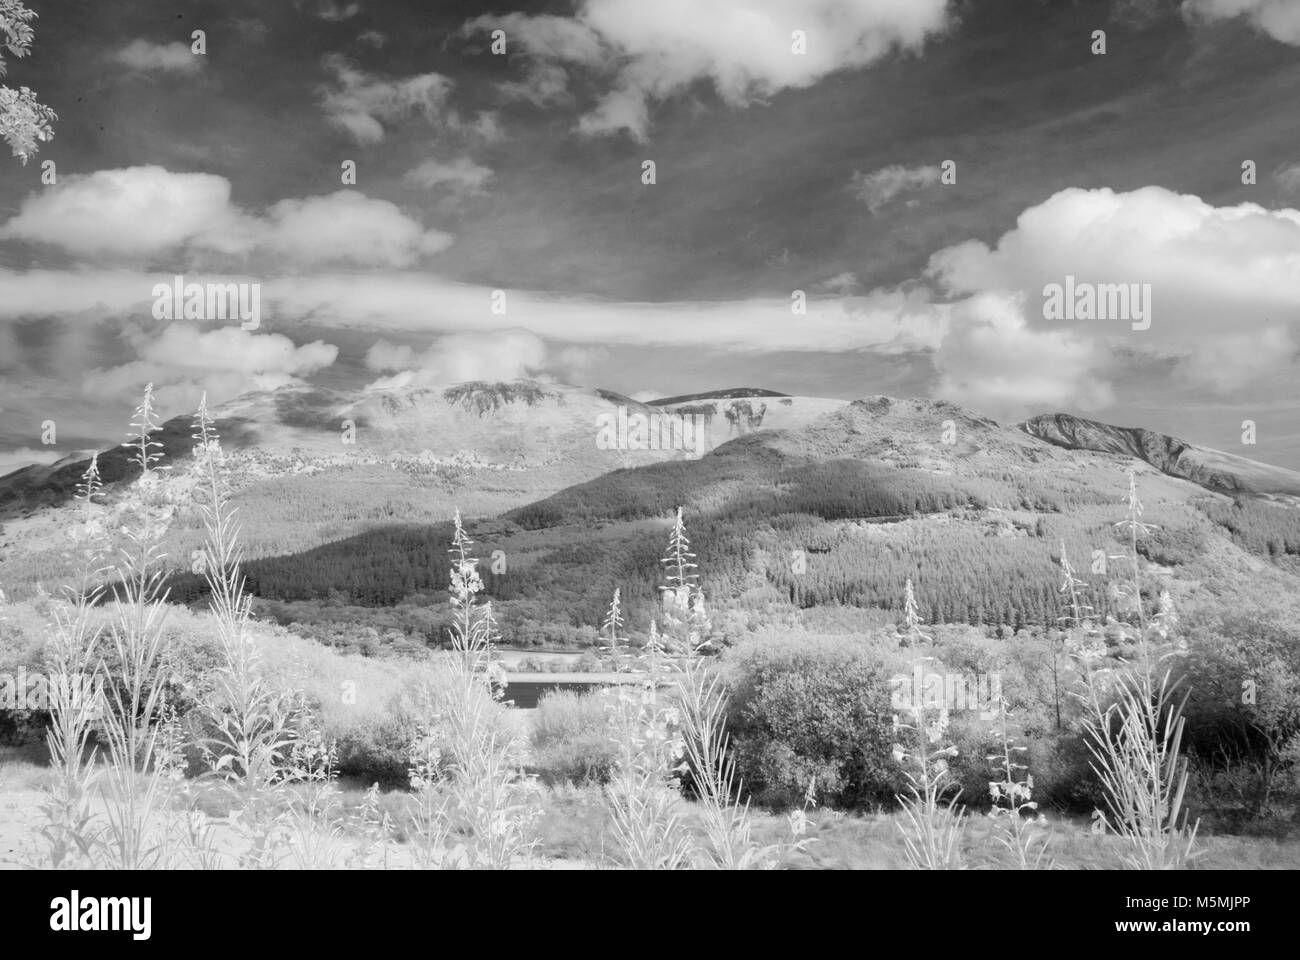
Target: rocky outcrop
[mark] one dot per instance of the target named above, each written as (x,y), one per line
(1167,454)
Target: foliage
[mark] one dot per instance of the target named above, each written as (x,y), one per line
(808,710)
(25,122)
(571,738)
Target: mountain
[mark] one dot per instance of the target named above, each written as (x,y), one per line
(1212,469)
(309,465)
(733,393)
(819,526)
(800,508)
(746,410)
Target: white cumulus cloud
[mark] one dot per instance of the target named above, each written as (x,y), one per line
(140,212)
(650,51)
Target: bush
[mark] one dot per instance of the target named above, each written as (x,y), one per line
(372,709)
(21,640)
(572,739)
(816,708)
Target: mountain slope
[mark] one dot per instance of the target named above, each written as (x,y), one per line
(831,520)
(1212,469)
(309,465)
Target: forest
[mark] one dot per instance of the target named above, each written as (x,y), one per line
(791,536)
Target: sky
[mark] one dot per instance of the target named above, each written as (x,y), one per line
(916,172)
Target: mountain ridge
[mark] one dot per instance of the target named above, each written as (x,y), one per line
(1210,468)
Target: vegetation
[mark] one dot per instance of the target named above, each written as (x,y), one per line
(212,739)
(25,122)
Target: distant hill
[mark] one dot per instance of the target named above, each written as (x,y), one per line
(734,393)
(800,505)
(832,516)
(416,454)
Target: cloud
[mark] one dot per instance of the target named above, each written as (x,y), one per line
(993,360)
(841,282)
(461,176)
(1224,285)
(544,83)
(360,103)
(540,42)
(883,320)
(36,293)
(149,57)
(349,227)
(508,355)
(879,187)
(1210,268)
(649,52)
(251,30)
(11,460)
(334,11)
(135,211)
(140,212)
(1280,19)
(1288,177)
(184,361)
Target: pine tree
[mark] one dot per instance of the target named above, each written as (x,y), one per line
(912,617)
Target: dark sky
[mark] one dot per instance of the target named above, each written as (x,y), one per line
(775,172)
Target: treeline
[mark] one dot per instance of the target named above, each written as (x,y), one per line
(836,534)
(1264,529)
(755,482)
(377,568)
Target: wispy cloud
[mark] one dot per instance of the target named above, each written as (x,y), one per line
(877,188)
(146,57)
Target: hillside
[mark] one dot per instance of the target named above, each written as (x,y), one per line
(302,478)
(802,508)
(820,524)
(1212,469)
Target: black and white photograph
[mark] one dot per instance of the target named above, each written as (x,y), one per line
(643,435)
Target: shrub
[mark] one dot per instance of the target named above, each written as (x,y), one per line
(818,708)
(571,739)
(1243,714)
(21,643)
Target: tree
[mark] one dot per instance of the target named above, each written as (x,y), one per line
(24,120)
